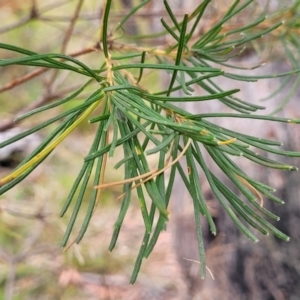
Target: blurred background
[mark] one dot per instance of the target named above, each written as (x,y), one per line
(33,266)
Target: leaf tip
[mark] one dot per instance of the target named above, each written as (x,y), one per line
(293,121)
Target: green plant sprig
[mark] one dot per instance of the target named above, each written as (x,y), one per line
(142,122)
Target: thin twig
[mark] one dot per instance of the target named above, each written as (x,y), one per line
(20,23)
(252,189)
(66,39)
(71,26)
(37,72)
(113,15)
(33,14)
(162,170)
(198,262)
(10,123)
(22,79)
(149,175)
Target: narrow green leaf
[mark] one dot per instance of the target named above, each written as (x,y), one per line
(165,143)
(105,27)
(131,13)
(199,239)
(93,197)
(164,67)
(169,29)
(141,70)
(180,48)
(198,194)
(52,105)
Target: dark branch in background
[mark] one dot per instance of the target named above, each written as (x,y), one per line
(33,14)
(114,15)
(71,27)
(10,123)
(66,39)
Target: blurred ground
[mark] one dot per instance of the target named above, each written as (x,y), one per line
(34,267)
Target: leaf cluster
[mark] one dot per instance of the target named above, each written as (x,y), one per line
(142,123)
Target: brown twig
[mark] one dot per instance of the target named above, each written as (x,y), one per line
(37,72)
(147,176)
(33,14)
(71,26)
(20,23)
(22,79)
(9,123)
(66,39)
